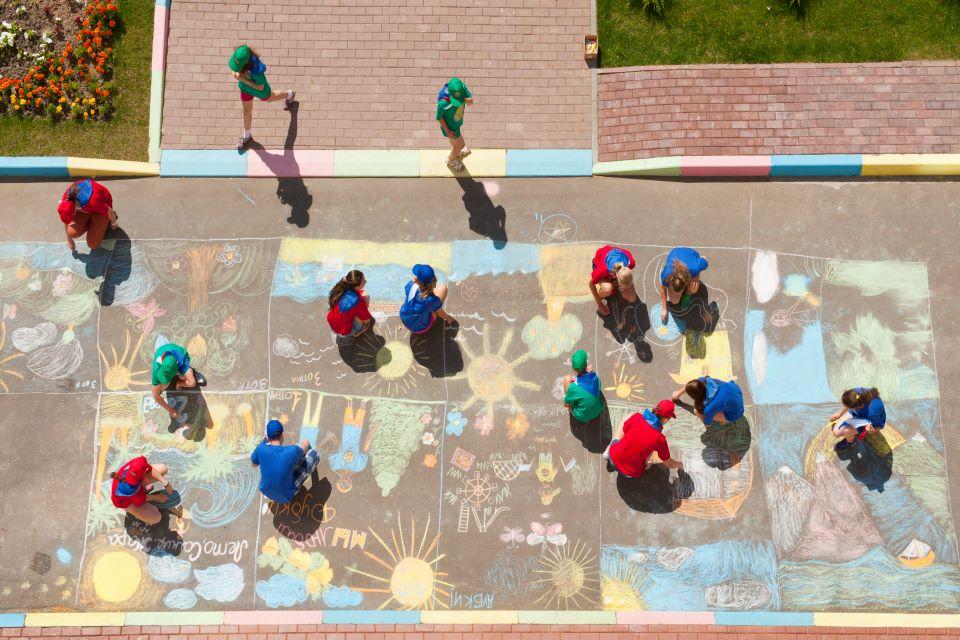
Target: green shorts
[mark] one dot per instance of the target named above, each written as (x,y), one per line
(444,133)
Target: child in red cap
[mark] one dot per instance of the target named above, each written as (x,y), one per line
(641,436)
(129,490)
(87,208)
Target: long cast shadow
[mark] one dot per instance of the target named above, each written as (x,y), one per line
(437,350)
(595,435)
(628,323)
(194,419)
(485,219)
(301,517)
(291,189)
(870,461)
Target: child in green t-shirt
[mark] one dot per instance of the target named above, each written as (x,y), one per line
(582,392)
(451,102)
(251,76)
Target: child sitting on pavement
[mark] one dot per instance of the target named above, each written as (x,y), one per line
(582,392)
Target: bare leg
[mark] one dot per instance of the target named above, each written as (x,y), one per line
(247,115)
(606,289)
(456,146)
(188,381)
(277,95)
(72,233)
(145,512)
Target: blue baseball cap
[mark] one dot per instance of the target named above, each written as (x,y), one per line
(424,273)
(274,429)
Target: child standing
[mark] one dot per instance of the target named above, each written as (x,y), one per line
(250,73)
(862,412)
(582,392)
(87,208)
(423,300)
(349,315)
(451,101)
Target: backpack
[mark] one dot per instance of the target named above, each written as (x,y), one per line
(443,95)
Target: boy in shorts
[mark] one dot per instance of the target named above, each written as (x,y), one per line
(452,100)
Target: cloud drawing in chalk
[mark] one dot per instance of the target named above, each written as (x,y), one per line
(281,591)
(168,569)
(340,597)
(180,599)
(223,583)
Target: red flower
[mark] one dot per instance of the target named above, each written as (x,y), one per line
(113,23)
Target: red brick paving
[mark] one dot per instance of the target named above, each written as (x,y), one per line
(367,71)
(480,632)
(903,107)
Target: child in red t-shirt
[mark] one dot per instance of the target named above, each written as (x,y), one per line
(349,315)
(87,208)
(640,437)
(611,273)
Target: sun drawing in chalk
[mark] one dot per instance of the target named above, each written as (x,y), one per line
(9,372)
(119,374)
(626,387)
(394,369)
(412,581)
(570,576)
(492,378)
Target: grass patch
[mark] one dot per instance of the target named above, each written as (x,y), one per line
(762,31)
(126,135)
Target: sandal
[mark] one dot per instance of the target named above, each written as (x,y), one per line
(463,154)
(455,165)
(244,143)
(289,101)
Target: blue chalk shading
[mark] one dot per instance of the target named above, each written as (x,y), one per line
(674,328)
(310,434)
(168,569)
(799,375)
(763,618)
(223,583)
(281,591)
(310,281)
(785,431)
(212,163)
(917,415)
(34,166)
(815,165)
(180,599)
(876,579)
(684,588)
(899,517)
(341,597)
(549,162)
(12,619)
(370,617)
(348,457)
(796,285)
(64,556)
(481,257)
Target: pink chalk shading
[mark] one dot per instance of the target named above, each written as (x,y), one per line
(272,617)
(289,164)
(664,617)
(742,166)
(491,187)
(161,16)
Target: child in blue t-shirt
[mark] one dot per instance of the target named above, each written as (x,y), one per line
(714,401)
(423,300)
(862,412)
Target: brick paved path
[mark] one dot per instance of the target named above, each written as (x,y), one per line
(367,71)
(480,632)
(909,107)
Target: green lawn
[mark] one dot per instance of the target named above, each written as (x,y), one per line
(758,31)
(125,136)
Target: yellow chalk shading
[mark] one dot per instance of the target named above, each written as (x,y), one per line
(90,619)
(302,250)
(480,163)
(714,360)
(913,620)
(469,617)
(565,270)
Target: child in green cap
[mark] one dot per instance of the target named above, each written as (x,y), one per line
(251,76)
(582,392)
(171,370)
(451,101)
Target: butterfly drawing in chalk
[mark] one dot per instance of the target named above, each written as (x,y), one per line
(512,536)
(542,534)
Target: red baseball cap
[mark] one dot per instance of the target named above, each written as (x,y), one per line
(136,470)
(66,210)
(666,409)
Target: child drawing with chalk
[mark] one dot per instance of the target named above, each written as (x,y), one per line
(423,300)
(133,491)
(348,315)
(862,412)
(714,401)
(611,273)
(171,371)
(582,391)
(680,281)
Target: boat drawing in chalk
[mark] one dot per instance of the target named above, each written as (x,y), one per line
(916,555)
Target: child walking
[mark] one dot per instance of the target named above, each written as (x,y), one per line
(250,73)
(451,101)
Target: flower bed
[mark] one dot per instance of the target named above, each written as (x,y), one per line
(56,59)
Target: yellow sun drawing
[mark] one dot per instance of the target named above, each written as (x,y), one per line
(627,387)
(413,581)
(491,376)
(395,371)
(622,584)
(119,374)
(4,361)
(570,576)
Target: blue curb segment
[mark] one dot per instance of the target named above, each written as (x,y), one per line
(549,162)
(12,619)
(763,618)
(370,617)
(816,165)
(220,163)
(35,166)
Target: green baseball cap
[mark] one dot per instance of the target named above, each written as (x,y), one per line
(579,360)
(240,58)
(167,370)
(455,86)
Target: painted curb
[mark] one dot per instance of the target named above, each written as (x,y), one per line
(825,165)
(281,163)
(727,166)
(669,166)
(34,166)
(372,163)
(552,163)
(911,164)
(482,163)
(96,167)
(203,164)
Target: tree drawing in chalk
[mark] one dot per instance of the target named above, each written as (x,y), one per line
(398,427)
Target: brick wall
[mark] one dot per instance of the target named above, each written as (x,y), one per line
(908,107)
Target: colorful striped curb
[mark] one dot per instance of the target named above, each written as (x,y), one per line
(64,167)
(161,20)
(473,616)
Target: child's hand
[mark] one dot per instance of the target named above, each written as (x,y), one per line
(836,416)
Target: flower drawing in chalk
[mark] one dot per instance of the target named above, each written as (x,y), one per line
(455,423)
(517,426)
(428,438)
(63,284)
(483,423)
(230,255)
(145,314)
(229,324)
(430,461)
(426,419)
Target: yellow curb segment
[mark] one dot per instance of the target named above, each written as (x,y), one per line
(96,167)
(911,164)
(468,617)
(485,163)
(114,619)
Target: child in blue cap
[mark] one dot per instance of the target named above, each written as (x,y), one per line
(283,468)
(423,300)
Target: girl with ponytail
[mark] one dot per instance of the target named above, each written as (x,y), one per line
(714,401)
(349,315)
(862,412)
